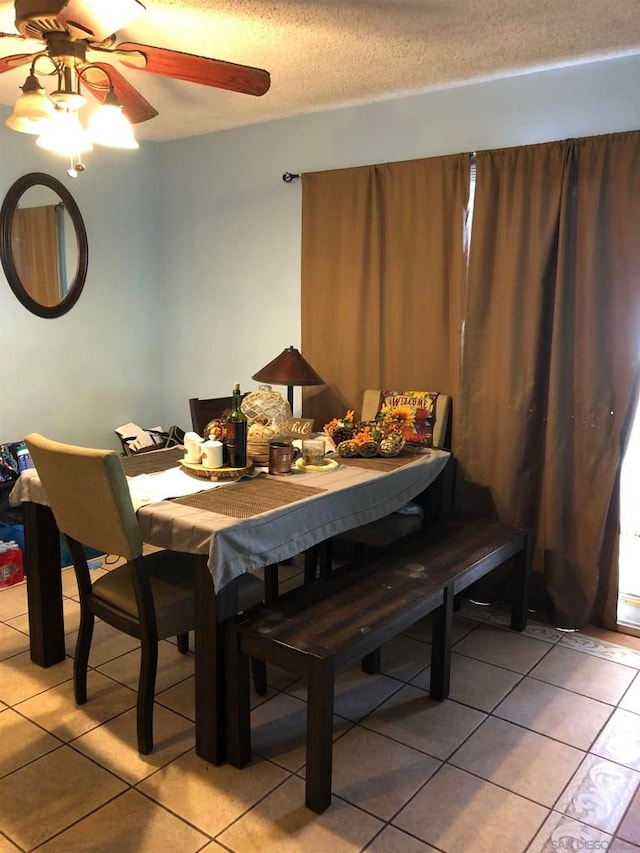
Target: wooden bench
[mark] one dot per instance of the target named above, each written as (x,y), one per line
(324,627)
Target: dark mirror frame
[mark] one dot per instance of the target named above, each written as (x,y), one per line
(9,206)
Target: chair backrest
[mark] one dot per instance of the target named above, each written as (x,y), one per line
(203,411)
(88,495)
(441,426)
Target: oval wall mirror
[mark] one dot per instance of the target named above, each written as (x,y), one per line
(43,244)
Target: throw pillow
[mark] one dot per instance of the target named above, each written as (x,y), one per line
(414,413)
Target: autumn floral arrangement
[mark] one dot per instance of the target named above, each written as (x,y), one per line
(382,437)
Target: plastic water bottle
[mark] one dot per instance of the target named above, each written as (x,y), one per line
(11,569)
(24,458)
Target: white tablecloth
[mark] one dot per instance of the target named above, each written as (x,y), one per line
(353,496)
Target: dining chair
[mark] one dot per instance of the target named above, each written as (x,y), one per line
(203,411)
(149,597)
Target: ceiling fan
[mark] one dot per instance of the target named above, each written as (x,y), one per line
(80,45)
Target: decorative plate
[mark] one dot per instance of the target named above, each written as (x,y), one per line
(329,465)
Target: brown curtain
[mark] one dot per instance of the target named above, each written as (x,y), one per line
(550,363)
(383,267)
(34,245)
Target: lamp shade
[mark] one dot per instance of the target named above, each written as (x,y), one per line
(289,368)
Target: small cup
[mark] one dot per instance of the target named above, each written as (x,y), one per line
(192,447)
(313,451)
(281,457)
(211,454)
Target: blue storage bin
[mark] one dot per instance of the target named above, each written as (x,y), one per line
(16,532)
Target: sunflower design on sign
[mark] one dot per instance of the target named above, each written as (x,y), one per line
(409,413)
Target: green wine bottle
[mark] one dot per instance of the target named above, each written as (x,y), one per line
(237,432)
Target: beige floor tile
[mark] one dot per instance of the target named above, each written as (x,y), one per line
(620,846)
(279,730)
(376,773)
(50,794)
(564,833)
(404,658)
(631,699)
(629,829)
(13,601)
(180,698)
(281,824)
(413,718)
(599,793)
(526,763)
(107,643)
(129,824)
(172,667)
(392,840)
(592,645)
(212,847)
(21,741)
(460,813)
(21,679)
(557,713)
(7,847)
(114,745)
(70,615)
(57,712)
(12,642)
(620,739)
(600,679)
(502,647)
(474,682)
(356,693)
(211,797)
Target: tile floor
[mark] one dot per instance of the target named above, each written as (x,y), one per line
(537,749)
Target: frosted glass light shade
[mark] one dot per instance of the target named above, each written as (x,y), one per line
(32,112)
(110,127)
(65,135)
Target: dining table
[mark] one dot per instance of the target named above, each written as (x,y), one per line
(239,526)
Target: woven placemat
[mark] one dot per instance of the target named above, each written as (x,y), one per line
(378,463)
(249,497)
(152,462)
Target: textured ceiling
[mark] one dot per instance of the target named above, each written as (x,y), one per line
(328,53)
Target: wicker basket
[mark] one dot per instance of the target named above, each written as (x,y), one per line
(258,438)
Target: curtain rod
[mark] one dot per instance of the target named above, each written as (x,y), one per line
(290,177)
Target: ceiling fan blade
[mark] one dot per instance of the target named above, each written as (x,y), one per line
(200,69)
(135,107)
(97,19)
(8,63)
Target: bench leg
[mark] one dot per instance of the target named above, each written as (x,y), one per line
(271,583)
(441,647)
(311,563)
(371,663)
(238,710)
(320,683)
(521,571)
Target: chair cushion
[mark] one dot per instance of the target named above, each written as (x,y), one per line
(172,585)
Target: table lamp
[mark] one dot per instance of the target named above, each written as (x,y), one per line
(289,368)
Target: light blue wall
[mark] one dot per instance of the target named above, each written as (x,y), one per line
(77,377)
(194,269)
(231,227)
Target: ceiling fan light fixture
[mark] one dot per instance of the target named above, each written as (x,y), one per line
(33,110)
(65,135)
(68,101)
(109,126)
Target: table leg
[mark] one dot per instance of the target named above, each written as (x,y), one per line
(211,611)
(44,585)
